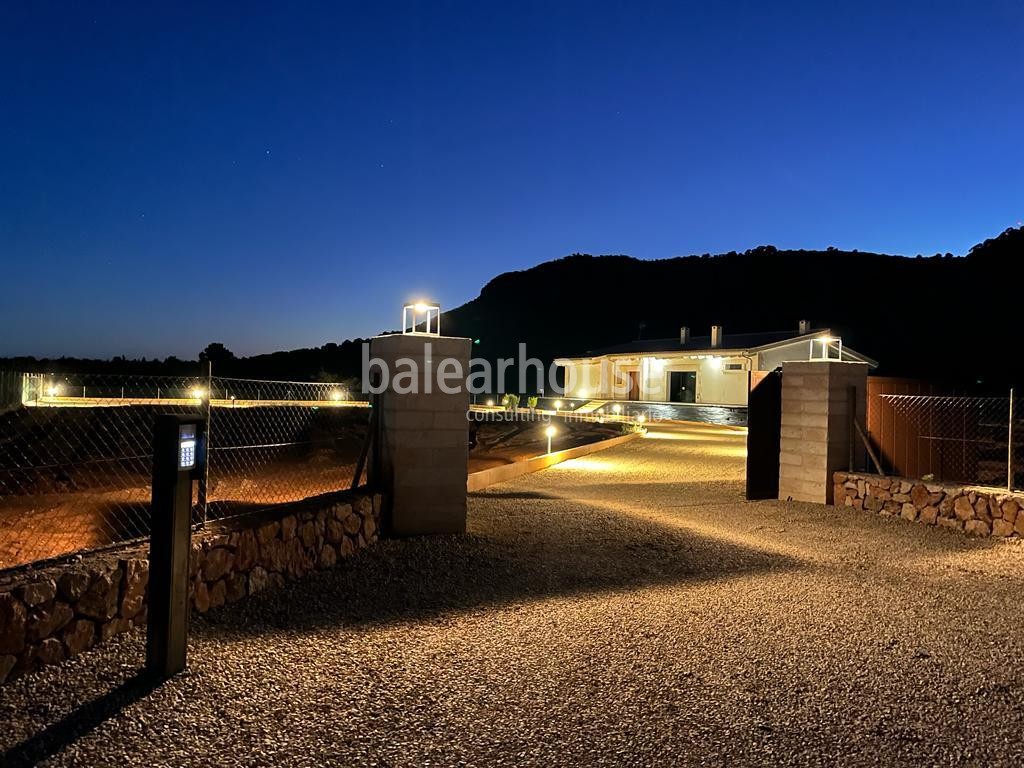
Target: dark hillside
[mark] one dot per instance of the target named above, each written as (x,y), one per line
(941,316)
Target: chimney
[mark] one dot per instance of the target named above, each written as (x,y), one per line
(684,335)
(805,327)
(716,336)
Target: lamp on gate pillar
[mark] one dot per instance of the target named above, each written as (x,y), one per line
(426,312)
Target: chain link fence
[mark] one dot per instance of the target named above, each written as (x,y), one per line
(274,442)
(76,452)
(949,438)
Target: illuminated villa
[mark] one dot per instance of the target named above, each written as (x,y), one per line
(713,370)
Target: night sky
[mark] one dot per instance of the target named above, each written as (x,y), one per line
(274,176)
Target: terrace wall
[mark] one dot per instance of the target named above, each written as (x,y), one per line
(976,511)
(50,614)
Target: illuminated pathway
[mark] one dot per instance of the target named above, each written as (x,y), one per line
(628,608)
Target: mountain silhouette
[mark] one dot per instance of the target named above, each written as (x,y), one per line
(946,318)
(942,317)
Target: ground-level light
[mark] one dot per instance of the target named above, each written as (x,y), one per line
(198,393)
(53,390)
(617,408)
(335,395)
(550,432)
(558,405)
(490,402)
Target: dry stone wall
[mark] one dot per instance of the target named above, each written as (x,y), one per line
(976,511)
(52,614)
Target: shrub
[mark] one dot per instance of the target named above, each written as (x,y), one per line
(531,402)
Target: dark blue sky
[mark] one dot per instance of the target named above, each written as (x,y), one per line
(284,175)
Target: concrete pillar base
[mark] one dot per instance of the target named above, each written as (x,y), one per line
(816,429)
(424,434)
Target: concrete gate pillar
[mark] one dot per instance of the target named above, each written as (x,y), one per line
(817,427)
(423,442)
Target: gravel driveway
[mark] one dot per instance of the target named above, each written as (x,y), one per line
(628,608)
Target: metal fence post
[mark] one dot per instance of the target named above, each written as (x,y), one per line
(204,482)
(1009,447)
(851,406)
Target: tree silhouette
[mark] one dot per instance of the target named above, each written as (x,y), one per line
(216,353)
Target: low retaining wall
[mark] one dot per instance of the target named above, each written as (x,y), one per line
(50,614)
(486,477)
(976,511)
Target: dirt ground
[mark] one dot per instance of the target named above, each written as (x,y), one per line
(107,502)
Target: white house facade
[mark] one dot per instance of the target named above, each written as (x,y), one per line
(711,370)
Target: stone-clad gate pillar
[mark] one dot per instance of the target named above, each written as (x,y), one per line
(423,442)
(817,427)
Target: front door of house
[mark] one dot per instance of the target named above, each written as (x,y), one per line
(634,385)
(682,386)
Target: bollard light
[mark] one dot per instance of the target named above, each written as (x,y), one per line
(550,432)
(335,395)
(53,390)
(198,393)
(558,405)
(617,409)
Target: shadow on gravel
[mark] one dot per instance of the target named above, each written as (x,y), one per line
(518,550)
(488,494)
(698,493)
(79,722)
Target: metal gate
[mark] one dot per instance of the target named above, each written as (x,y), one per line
(764,428)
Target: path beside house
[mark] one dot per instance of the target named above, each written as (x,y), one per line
(621,609)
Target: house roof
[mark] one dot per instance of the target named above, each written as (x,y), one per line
(730,341)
